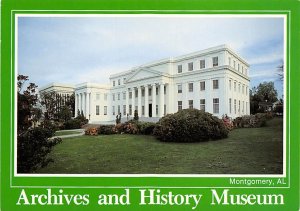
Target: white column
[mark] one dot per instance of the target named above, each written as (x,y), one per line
(146,101)
(88,106)
(139,101)
(127,101)
(161,100)
(80,102)
(133,100)
(153,100)
(76,105)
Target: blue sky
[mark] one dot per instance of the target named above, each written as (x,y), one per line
(88,49)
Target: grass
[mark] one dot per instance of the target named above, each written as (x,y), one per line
(62,132)
(246,151)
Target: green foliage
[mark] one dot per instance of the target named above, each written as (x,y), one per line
(190,125)
(252,121)
(146,128)
(65,114)
(107,129)
(73,124)
(136,115)
(33,147)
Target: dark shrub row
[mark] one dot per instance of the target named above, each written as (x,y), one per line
(190,125)
(252,121)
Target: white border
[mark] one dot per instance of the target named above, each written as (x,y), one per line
(158,16)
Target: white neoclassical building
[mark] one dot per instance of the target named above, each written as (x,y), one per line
(215,80)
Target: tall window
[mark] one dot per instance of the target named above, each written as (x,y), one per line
(230,105)
(246,90)
(114,83)
(234,64)
(130,109)
(143,92)
(119,81)
(239,87)
(113,110)
(150,91)
(202,104)
(239,106)
(191,88)
(119,109)
(124,110)
(124,95)
(215,84)
(179,88)
(136,93)
(202,85)
(118,96)
(156,90)
(229,61)
(179,105)
(216,105)
(215,61)
(234,106)
(234,86)
(229,84)
(179,68)
(239,67)
(156,109)
(105,110)
(190,66)
(191,104)
(113,97)
(143,110)
(202,64)
(97,110)
(130,95)
(243,89)
(124,79)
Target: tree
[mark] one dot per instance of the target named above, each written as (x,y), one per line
(280,72)
(264,93)
(65,114)
(34,143)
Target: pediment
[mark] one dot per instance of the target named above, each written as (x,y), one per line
(144,73)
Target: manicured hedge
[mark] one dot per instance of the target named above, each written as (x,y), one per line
(190,125)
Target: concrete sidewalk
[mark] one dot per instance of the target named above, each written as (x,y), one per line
(71,135)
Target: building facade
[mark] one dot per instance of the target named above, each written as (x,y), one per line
(215,80)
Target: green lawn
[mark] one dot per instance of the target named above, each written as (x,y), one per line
(62,132)
(246,151)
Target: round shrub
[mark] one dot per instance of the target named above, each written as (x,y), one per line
(190,125)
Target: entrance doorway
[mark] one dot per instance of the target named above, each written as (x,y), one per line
(150,110)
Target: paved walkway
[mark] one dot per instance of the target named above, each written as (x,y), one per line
(71,135)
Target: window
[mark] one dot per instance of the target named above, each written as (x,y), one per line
(191,104)
(113,97)
(202,85)
(97,96)
(233,64)
(156,90)
(239,106)
(190,66)
(216,105)
(165,90)
(246,107)
(124,79)
(235,106)
(239,87)
(234,86)
(136,108)
(114,83)
(239,67)
(215,61)
(156,109)
(119,109)
(124,95)
(165,109)
(113,110)
(118,96)
(136,93)
(150,91)
(243,69)
(246,90)
(202,64)
(230,105)
(191,87)
(143,110)
(229,61)
(202,104)
(179,68)
(143,92)
(124,110)
(130,109)
(119,81)
(243,106)
(243,89)
(105,110)
(179,105)
(105,97)
(215,84)
(130,95)
(229,84)
(97,110)
(179,88)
